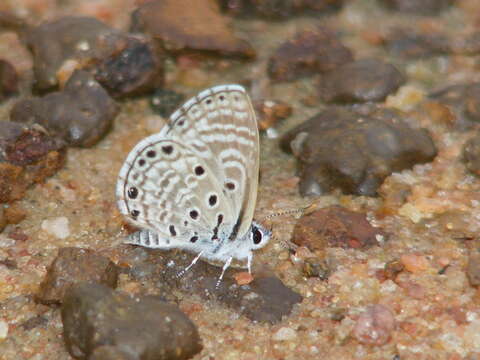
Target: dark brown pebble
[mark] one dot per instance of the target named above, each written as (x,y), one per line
(100,323)
(81,114)
(135,68)
(355,149)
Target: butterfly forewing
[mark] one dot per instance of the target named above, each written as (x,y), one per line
(219,125)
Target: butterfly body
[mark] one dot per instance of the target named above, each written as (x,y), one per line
(193,185)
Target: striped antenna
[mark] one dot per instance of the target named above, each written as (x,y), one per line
(303,210)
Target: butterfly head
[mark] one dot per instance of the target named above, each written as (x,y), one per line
(258,236)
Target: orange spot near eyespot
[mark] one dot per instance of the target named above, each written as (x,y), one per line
(243,278)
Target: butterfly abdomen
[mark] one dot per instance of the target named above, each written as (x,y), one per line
(147,238)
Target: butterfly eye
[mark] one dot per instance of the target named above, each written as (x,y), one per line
(257,236)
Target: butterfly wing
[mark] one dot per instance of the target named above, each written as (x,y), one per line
(165,187)
(219,125)
(197,179)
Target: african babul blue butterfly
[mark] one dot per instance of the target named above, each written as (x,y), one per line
(193,185)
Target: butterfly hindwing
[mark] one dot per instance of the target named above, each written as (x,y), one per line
(168,189)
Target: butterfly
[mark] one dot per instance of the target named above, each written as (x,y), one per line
(193,185)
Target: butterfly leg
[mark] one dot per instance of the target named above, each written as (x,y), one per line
(225,267)
(249,262)
(181,273)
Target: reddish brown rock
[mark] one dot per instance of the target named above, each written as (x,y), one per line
(180,25)
(375,325)
(307,53)
(335,226)
(74,266)
(27,156)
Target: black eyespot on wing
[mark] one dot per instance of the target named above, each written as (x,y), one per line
(193,239)
(212,200)
(221,97)
(181,122)
(219,219)
(209,101)
(134,213)
(141,162)
(230,186)
(194,214)
(199,170)
(172,230)
(151,153)
(167,149)
(132,192)
(257,236)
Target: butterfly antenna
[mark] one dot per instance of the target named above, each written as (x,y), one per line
(286,244)
(301,210)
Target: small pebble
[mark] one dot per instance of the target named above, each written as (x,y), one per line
(57,227)
(243,278)
(414,263)
(375,325)
(284,334)
(3,330)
